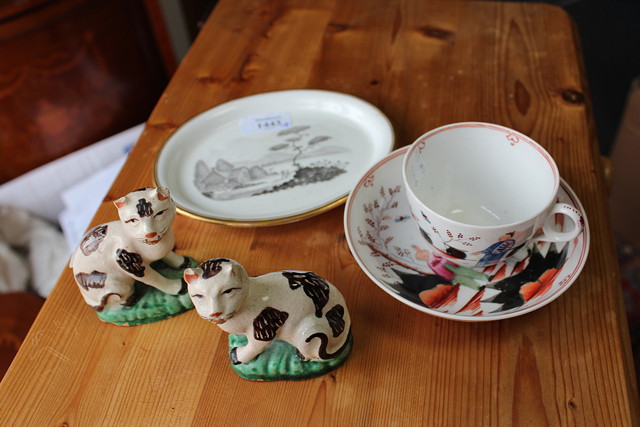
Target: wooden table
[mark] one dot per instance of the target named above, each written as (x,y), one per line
(423,64)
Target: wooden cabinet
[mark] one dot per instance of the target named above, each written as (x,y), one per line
(72,72)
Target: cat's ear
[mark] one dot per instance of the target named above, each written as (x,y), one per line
(230,269)
(191,275)
(163,193)
(121,202)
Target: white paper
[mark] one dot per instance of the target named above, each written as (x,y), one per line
(39,191)
(82,200)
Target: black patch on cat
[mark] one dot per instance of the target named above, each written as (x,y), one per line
(233,355)
(185,263)
(300,355)
(212,267)
(93,280)
(140,189)
(144,208)
(132,300)
(335,317)
(313,285)
(324,343)
(130,262)
(92,239)
(104,301)
(267,323)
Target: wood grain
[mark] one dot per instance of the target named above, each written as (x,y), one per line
(424,64)
(17,312)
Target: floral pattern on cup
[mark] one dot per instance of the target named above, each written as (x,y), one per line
(482,191)
(435,281)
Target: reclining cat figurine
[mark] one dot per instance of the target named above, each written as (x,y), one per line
(112,256)
(298,307)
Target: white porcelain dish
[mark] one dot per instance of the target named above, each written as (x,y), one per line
(272,158)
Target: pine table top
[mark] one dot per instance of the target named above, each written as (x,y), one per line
(424,64)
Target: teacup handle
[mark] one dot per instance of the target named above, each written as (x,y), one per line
(550,234)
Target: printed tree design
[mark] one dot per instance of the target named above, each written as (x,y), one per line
(228,180)
(296,141)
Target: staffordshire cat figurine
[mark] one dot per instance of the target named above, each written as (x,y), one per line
(113,256)
(297,307)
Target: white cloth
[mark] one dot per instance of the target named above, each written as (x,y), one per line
(69,190)
(32,252)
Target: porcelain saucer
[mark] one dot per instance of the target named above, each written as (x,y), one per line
(385,242)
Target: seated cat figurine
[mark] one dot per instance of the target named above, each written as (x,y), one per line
(112,256)
(298,307)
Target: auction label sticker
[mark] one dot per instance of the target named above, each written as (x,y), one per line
(264,122)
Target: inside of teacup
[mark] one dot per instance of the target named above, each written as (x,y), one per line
(482,175)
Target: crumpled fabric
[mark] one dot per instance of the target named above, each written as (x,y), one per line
(33,252)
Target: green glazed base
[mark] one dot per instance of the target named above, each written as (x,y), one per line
(280,361)
(152,305)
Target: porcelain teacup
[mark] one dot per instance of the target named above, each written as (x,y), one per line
(479,191)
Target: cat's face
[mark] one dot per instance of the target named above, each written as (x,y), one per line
(218,289)
(147,214)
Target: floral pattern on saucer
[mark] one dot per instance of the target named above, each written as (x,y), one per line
(386,243)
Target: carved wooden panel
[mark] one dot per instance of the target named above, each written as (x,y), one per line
(72,72)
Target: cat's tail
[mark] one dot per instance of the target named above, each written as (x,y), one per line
(324,341)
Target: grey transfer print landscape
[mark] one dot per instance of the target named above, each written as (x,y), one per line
(296,157)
